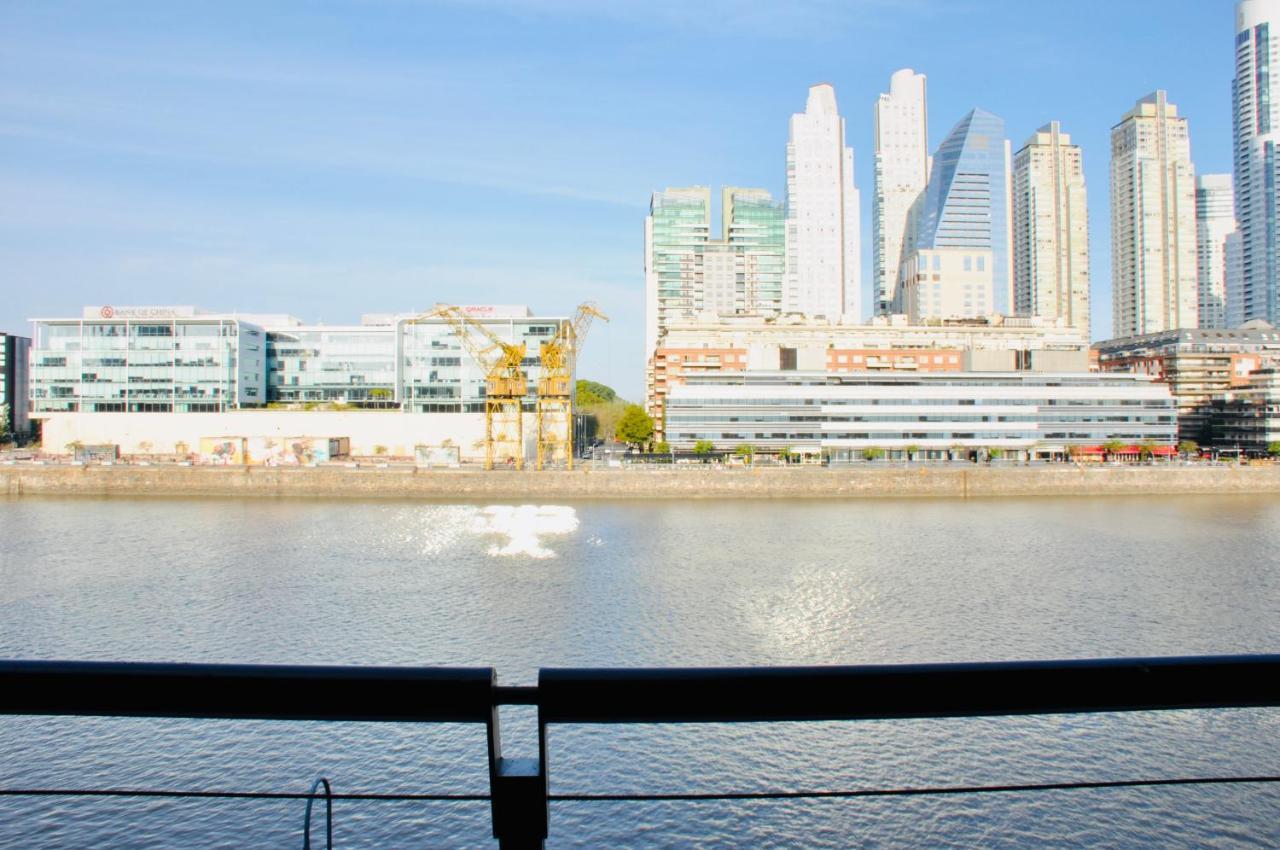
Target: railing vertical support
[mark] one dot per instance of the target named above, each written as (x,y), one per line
(518,790)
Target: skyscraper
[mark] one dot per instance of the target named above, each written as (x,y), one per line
(1215,221)
(675,234)
(823,256)
(902,173)
(1153,221)
(754,228)
(1051,229)
(964,225)
(1257,156)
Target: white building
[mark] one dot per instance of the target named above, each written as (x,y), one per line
(948,283)
(1154,284)
(1051,229)
(902,174)
(1257,158)
(1215,221)
(823,253)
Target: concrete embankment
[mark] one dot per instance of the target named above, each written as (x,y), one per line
(859,482)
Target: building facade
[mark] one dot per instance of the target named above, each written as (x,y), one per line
(147,360)
(675,234)
(1215,221)
(966,204)
(1199,365)
(932,416)
(748,344)
(15,353)
(184,360)
(824,263)
(1248,420)
(948,283)
(1154,284)
(1051,229)
(1256,122)
(902,173)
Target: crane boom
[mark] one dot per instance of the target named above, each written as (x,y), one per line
(559,357)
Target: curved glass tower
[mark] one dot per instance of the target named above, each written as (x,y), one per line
(967,202)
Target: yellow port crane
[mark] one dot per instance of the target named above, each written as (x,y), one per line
(559,357)
(506,383)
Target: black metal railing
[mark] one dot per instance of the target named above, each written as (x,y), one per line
(519,795)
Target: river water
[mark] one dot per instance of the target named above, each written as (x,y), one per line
(645,584)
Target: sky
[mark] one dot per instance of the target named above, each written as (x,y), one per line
(339,157)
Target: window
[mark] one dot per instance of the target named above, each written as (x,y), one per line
(982,264)
(968,264)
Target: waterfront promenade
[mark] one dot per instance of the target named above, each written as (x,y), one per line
(922,481)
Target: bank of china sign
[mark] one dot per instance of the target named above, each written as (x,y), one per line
(131,313)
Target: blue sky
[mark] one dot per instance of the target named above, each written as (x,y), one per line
(345,156)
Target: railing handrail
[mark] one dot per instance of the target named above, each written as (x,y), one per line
(519,787)
(886,692)
(247,691)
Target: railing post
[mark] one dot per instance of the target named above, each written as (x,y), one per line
(518,791)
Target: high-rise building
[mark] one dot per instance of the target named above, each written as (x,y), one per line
(1233,259)
(754,229)
(1051,229)
(675,234)
(960,267)
(1215,221)
(1257,157)
(823,255)
(15,353)
(902,173)
(1153,221)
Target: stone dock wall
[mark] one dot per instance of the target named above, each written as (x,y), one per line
(696,483)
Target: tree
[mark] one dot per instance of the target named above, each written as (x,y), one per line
(995,454)
(635,428)
(1113,447)
(662,448)
(1273,449)
(872,453)
(912,451)
(703,448)
(591,393)
(785,454)
(1188,447)
(4,422)
(379,394)
(1147,450)
(745,451)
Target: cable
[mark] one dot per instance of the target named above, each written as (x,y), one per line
(644,798)
(907,792)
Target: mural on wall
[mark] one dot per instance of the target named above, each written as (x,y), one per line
(225,451)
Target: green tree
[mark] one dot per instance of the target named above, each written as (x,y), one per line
(662,448)
(1113,447)
(702,448)
(785,454)
(746,452)
(995,454)
(1188,447)
(912,451)
(379,394)
(1273,449)
(4,422)
(635,428)
(1147,450)
(591,393)
(872,453)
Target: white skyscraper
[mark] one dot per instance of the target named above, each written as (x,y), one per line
(823,257)
(902,173)
(1257,157)
(1215,221)
(1154,286)
(1051,229)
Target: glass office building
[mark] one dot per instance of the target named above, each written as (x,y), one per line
(147,360)
(437,375)
(181,360)
(338,365)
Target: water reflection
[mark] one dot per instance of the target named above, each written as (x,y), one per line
(525,526)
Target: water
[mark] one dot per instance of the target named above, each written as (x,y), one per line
(642,584)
